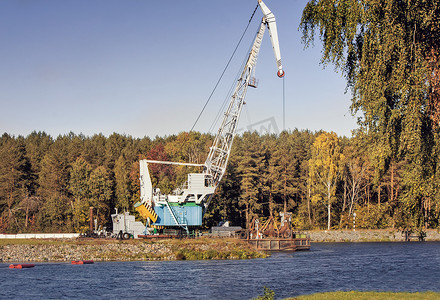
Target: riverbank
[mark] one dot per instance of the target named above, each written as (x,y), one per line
(50,250)
(367,235)
(368,296)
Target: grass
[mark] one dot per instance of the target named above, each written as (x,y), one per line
(369,296)
(212,248)
(356,295)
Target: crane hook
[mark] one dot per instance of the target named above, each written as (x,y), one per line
(280,73)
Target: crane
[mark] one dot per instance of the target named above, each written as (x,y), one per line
(188,203)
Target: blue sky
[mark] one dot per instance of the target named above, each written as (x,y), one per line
(146,68)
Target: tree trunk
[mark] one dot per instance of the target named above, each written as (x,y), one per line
(27,214)
(284,195)
(352,198)
(378,194)
(392,183)
(345,202)
(368,195)
(247,215)
(328,206)
(308,206)
(345,196)
(270,205)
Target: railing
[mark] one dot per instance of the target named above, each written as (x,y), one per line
(280,244)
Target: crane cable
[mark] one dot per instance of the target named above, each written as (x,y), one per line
(284,105)
(224,70)
(231,90)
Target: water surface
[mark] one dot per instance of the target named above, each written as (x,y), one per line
(326,267)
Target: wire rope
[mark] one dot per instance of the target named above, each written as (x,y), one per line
(231,89)
(284,104)
(227,65)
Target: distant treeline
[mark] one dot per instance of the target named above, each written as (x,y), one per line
(48,184)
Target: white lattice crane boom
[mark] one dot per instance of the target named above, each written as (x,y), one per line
(200,187)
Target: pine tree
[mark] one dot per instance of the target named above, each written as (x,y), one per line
(53,178)
(13,177)
(250,160)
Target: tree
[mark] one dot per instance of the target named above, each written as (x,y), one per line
(282,171)
(357,171)
(113,148)
(53,181)
(189,147)
(249,160)
(13,181)
(36,144)
(122,177)
(95,150)
(161,175)
(79,187)
(270,182)
(389,53)
(300,147)
(29,205)
(325,167)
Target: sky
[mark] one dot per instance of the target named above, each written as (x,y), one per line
(147,68)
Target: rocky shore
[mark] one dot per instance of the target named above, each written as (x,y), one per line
(64,250)
(370,235)
(133,250)
(69,252)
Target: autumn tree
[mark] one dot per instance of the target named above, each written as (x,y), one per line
(325,168)
(357,172)
(161,175)
(80,190)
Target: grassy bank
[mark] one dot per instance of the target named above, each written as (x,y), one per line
(369,296)
(213,248)
(52,250)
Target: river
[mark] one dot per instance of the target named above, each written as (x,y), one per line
(326,267)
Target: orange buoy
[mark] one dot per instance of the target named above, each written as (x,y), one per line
(21,266)
(82,262)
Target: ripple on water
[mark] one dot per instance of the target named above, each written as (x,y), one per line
(326,267)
